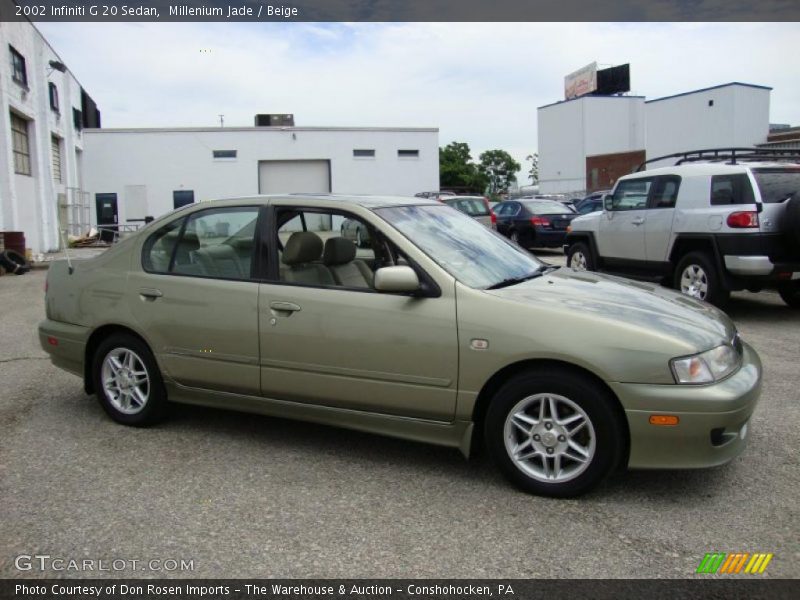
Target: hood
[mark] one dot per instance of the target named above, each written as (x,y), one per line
(649,308)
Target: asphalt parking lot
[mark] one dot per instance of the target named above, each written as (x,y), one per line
(252,496)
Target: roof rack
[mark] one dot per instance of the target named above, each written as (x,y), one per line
(728,155)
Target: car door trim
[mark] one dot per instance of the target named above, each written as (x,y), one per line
(210,355)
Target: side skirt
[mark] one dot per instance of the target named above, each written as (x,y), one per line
(457,434)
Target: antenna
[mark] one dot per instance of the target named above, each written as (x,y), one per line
(66,250)
(222,120)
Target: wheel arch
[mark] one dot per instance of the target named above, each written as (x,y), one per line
(587,237)
(94,340)
(498,379)
(684,244)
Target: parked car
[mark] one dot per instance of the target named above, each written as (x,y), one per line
(534,223)
(434,195)
(591,203)
(355,231)
(718,221)
(476,207)
(273,320)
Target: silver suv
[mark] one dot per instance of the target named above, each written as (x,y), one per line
(717,221)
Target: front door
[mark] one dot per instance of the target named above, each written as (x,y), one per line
(328,338)
(621,236)
(107,216)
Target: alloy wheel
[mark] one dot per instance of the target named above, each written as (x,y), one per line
(578,261)
(694,282)
(549,438)
(125,381)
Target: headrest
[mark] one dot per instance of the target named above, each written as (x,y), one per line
(189,241)
(302,247)
(338,251)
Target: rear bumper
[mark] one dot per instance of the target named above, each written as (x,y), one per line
(548,239)
(713,425)
(761,266)
(65,343)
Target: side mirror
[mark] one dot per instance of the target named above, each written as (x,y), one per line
(608,202)
(396,279)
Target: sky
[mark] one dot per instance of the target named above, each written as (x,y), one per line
(478,83)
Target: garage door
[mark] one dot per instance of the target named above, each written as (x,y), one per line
(294,176)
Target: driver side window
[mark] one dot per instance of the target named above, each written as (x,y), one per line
(631,194)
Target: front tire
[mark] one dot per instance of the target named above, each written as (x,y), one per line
(696,276)
(554,432)
(579,257)
(128,382)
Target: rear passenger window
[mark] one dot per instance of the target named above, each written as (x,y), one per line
(731,189)
(665,192)
(326,248)
(157,251)
(217,243)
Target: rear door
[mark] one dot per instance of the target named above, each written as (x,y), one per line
(621,229)
(660,215)
(506,214)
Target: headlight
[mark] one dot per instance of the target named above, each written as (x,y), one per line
(706,367)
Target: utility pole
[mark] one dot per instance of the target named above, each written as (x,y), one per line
(222,120)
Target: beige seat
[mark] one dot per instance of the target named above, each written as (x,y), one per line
(340,257)
(303,249)
(185,255)
(221,261)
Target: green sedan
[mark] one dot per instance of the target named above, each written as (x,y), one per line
(439,330)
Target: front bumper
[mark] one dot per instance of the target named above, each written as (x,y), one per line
(713,422)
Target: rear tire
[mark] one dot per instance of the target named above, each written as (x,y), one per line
(128,382)
(790,293)
(696,276)
(564,449)
(580,258)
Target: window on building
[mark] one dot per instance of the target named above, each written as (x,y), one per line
(408,154)
(224,153)
(53,97)
(182,198)
(77,119)
(363,153)
(55,146)
(18,71)
(21,145)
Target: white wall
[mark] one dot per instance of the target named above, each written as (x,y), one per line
(181,159)
(29,203)
(739,117)
(570,131)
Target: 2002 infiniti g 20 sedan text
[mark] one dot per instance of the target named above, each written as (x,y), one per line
(437,330)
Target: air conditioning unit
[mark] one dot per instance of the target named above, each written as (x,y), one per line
(272,120)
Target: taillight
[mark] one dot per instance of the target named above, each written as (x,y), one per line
(540,221)
(743,219)
(493,216)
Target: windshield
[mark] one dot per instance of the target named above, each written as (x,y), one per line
(776,185)
(546,207)
(469,251)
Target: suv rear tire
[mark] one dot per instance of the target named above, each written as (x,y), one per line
(580,257)
(790,293)
(564,449)
(696,276)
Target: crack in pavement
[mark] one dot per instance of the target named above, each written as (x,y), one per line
(16,358)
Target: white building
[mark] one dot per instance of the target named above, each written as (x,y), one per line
(42,112)
(141,172)
(587,143)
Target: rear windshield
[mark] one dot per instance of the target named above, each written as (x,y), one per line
(474,207)
(546,207)
(777,185)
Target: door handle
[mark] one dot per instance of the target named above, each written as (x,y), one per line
(283,308)
(638,221)
(150,293)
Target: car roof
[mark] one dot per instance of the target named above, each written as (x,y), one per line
(332,200)
(710,168)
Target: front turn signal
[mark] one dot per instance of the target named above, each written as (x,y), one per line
(664,420)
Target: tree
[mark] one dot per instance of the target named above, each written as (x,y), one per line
(500,169)
(533,174)
(456,169)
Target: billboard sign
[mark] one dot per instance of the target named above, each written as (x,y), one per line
(581,82)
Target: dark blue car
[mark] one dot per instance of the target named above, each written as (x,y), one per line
(534,223)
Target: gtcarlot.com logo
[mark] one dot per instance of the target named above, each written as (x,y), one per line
(46,562)
(734,563)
